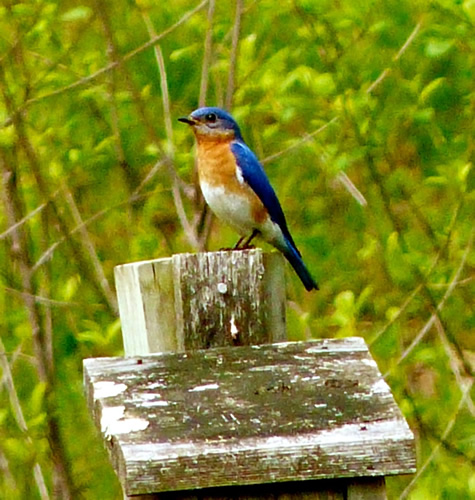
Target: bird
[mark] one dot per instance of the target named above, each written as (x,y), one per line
(237,189)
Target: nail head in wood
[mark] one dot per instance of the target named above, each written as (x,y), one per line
(192,301)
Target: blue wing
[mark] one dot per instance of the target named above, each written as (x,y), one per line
(255,176)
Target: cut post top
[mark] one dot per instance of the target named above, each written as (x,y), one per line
(194,301)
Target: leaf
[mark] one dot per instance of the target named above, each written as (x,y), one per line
(437,47)
(80,13)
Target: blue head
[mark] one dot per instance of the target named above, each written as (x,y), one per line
(212,124)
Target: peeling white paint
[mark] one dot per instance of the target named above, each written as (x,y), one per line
(157,385)
(369,362)
(113,422)
(127,425)
(313,377)
(234,418)
(107,389)
(283,345)
(304,358)
(266,368)
(350,344)
(149,400)
(146,396)
(151,404)
(205,387)
(234,330)
(380,387)
(334,441)
(109,415)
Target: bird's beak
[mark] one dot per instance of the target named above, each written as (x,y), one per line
(188,120)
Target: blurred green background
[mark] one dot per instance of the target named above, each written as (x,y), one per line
(363,115)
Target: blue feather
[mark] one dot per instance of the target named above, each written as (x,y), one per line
(212,122)
(255,176)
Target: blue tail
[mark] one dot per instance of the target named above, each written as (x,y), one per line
(293,256)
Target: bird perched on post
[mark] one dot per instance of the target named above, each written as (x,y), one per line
(236,187)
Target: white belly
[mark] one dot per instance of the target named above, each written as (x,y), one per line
(230,208)
(236,211)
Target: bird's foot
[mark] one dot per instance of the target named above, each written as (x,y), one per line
(247,247)
(247,243)
(237,249)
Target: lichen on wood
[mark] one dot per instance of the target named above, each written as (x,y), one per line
(249,415)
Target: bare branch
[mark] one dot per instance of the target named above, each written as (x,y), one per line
(45,300)
(189,230)
(351,188)
(89,248)
(297,144)
(421,469)
(18,224)
(400,53)
(462,382)
(207,53)
(108,67)
(234,54)
(7,380)
(423,331)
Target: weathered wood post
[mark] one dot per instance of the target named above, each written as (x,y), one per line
(197,301)
(244,418)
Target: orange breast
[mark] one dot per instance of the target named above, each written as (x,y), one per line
(217,167)
(216,164)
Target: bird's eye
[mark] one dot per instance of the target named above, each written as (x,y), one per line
(211,117)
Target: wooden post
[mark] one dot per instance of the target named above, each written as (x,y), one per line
(193,301)
(279,421)
(250,420)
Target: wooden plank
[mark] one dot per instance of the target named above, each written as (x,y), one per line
(192,301)
(250,415)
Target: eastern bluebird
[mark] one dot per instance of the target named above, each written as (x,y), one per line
(236,187)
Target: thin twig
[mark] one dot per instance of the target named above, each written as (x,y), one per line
(234,54)
(40,299)
(462,382)
(297,144)
(157,166)
(207,54)
(421,469)
(351,188)
(40,336)
(430,322)
(48,253)
(204,219)
(18,224)
(90,250)
(408,42)
(109,67)
(7,380)
(189,230)
(419,287)
(401,309)
(401,51)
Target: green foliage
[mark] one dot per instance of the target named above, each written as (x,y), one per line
(363,115)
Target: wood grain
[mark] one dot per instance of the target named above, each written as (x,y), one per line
(249,415)
(193,301)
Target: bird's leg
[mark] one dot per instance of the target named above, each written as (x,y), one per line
(236,246)
(247,243)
